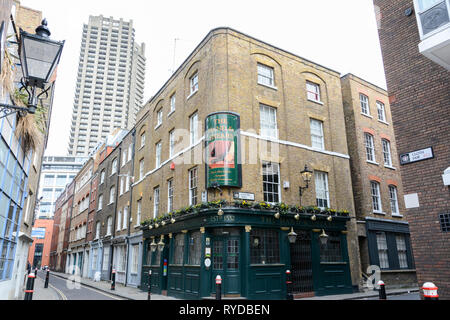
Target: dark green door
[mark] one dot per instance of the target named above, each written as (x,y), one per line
(225,262)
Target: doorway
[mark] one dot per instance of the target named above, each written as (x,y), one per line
(301,264)
(226,250)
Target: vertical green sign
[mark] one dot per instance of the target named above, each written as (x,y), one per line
(223,168)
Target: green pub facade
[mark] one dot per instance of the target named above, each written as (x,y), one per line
(250,249)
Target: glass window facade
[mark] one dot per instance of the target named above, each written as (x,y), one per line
(14,167)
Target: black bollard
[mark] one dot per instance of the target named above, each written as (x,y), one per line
(218,287)
(149,285)
(289,296)
(382,292)
(47,278)
(30,287)
(113,282)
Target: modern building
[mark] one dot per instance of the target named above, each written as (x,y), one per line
(110,83)
(415,42)
(383,231)
(56,174)
(259,115)
(39,253)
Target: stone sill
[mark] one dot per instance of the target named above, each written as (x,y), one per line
(399,271)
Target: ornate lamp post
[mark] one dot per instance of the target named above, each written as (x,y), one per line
(39,58)
(306,175)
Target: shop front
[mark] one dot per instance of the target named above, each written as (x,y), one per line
(251,251)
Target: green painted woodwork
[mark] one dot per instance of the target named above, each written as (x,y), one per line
(251,281)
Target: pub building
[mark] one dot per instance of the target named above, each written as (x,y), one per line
(264,162)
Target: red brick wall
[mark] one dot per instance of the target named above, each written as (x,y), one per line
(48,225)
(419,91)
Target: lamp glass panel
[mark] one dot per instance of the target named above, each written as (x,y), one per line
(40,58)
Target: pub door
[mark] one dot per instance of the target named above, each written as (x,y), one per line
(226,247)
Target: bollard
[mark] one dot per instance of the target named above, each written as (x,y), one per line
(149,285)
(289,296)
(430,291)
(47,278)
(30,287)
(218,287)
(113,282)
(382,290)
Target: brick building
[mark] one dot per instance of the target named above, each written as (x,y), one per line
(383,232)
(79,219)
(415,42)
(284,113)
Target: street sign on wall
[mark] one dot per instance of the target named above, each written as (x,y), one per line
(223,168)
(416,156)
(38,233)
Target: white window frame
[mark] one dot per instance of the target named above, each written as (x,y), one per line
(193,186)
(134,258)
(387,154)
(141,169)
(170,195)
(102,176)
(370,147)
(364,103)
(158,148)
(156,195)
(105,264)
(125,218)
(139,212)
(276,185)
(322,188)
(143,137)
(112,194)
(97,230)
(268,121)
(100,203)
(393,198)
(173,102)
(130,152)
(376,197)
(159,118)
(313,95)
(381,110)
(109,226)
(114,166)
(124,157)
(402,251)
(317,135)
(193,125)
(266,75)
(119,220)
(193,83)
(171,143)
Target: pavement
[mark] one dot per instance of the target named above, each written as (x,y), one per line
(41,293)
(121,291)
(369,295)
(131,293)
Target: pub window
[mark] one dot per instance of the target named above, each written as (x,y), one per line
(157,258)
(331,250)
(271,182)
(178,255)
(401,249)
(382,250)
(264,246)
(195,246)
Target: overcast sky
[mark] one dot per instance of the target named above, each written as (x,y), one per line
(341,35)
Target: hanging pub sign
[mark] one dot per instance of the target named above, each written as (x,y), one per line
(222,147)
(416,156)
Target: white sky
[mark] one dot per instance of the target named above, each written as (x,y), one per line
(341,35)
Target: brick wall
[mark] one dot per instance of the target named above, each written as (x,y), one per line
(419,91)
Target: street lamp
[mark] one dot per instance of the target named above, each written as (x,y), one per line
(39,58)
(292,236)
(161,244)
(323,238)
(153,245)
(306,175)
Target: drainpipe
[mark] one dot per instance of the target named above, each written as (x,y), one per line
(111,259)
(129,208)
